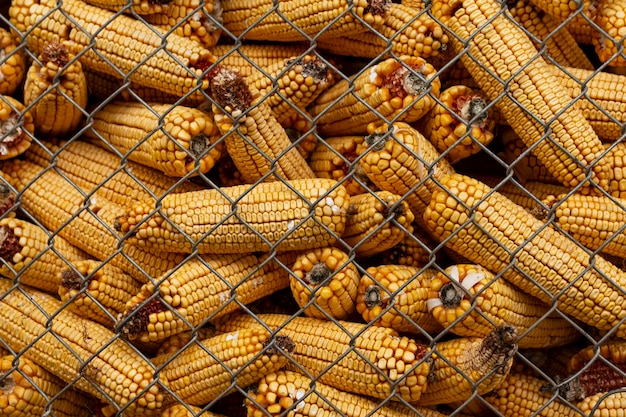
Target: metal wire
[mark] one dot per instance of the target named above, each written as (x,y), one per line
(126,85)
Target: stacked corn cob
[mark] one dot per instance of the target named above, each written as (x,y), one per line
(338,201)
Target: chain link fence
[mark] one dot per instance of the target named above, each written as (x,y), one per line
(239,281)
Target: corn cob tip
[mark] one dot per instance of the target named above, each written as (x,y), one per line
(571,391)
(279,344)
(229,89)
(12,129)
(502,339)
(319,273)
(55,53)
(71,279)
(406,80)
(314,68)
(377,7)
(9,243)
(135,320)
(472,107)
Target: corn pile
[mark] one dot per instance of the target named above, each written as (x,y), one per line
(313,208)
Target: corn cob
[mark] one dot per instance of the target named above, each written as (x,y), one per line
(96,291)
(294,20)
(400,160)
(608,42)
(546,32)
(218,365)
(542,114)
(352,357)
(141,7)
(178,140)
(396,89)
(104,87)
(612,349)
(616,156)
(563,9)
(86,224)
(460,125)
(597,378)
(253,58)
(12,63)
(415,249)
(603,404)
(395,296)
(582,29)
(463,366)
(28,390)
(470,301)
(531,194)
(200,289)
(525,164)
(292,84)
(119,181)
(198,20)
(376,222)
(596,222)
(78,351)
(407,31)
(255,140)
(324,282)
(186,410)
(312,213)
(301,132)
(335,158)
(300,396)
(522,395)
(176,343)
(95,35)
(548,265)
(55,90)
(32,257)
(16,127)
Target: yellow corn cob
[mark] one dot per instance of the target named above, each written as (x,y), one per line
(608,42)
(414,250)
(92,168)
(595,222)
(200,289)
(78,351)
(141,7)
(311,213)
(596,378)
(103,87)
(563,9)
(548,265)
(335,158)
(400,160)
(88,225)
(12,63)
(397,89)
(460,124)
(463,366)
(55,89)
(218,365)
(16,127)
(176,140)
(248,59)
(300,20)
(30,251)
(600,101)
(376,222)
(547,32)
(613,349)
(280,391)
(198,20)
(176,343)
(603,404)
(395,296)
(470,301)
(186,410)
(522,395)
(301,132)
(324,283)
(616,156)
(542,114)
(582,29)
(96,291)
(525,164)
(28,390)
(96,36)
(352,357)
(531,194)
(292,84)
(409,32)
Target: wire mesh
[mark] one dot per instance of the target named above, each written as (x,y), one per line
(187,98)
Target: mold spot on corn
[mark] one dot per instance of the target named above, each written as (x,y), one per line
(71,279)
(279,344)
(135,321)
(229,89)
(9,243)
